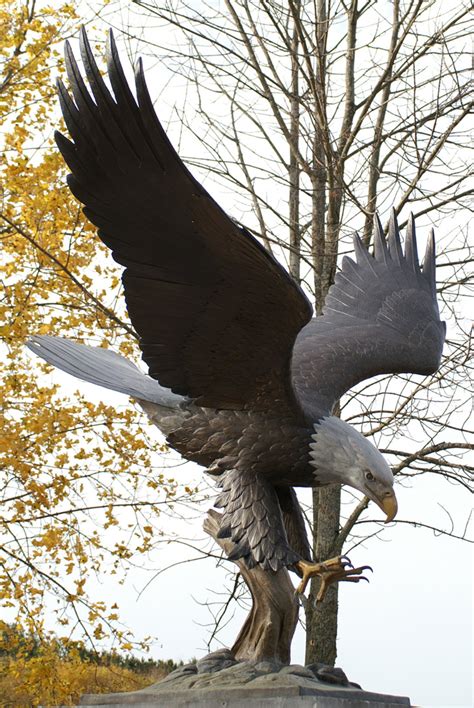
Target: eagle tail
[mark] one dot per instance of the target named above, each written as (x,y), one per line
(103,367)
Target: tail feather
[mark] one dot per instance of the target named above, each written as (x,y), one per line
(102,367)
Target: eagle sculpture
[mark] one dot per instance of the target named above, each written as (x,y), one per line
(242,377)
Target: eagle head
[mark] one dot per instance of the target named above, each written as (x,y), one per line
(341,454)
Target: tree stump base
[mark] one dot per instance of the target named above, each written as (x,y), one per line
(269,628)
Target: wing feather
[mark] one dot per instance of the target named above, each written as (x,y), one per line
(411,249)
(380,316)
(380,245)
(394,244)
(216,314)
(429,266)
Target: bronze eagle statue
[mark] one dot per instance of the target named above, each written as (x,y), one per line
(242,377)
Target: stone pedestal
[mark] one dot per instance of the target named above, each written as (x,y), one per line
(220,681)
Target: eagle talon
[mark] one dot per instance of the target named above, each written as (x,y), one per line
(330,571)
(355,579)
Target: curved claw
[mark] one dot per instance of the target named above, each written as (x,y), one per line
(354,579)
(366,567)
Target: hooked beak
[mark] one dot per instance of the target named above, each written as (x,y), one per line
(389,505)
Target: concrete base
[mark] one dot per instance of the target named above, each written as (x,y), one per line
(277,694)
(218,681)
(276,697)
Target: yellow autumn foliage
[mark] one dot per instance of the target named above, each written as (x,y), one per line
(81,487)
(48,670)
(49,680)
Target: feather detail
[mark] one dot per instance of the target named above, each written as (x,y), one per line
(380,245)
(252,519)
(394,245)
(429,268)
(411,250)
(362,254)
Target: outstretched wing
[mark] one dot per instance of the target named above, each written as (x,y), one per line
(380,316)
(216,314)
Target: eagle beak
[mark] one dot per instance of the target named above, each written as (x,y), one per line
(389,505)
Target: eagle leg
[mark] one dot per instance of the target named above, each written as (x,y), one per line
(293,521)
(331,571)
(253,520)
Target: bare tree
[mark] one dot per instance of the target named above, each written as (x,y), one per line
(315,113)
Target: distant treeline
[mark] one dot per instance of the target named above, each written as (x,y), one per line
(15,643)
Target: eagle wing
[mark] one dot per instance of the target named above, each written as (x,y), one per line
(380,316)
(216,314)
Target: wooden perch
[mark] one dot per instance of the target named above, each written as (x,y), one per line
(268,630)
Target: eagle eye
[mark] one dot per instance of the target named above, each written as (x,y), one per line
(369,476)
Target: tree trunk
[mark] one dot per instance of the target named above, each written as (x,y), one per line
(268,630)
(294,166)
(321,619)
